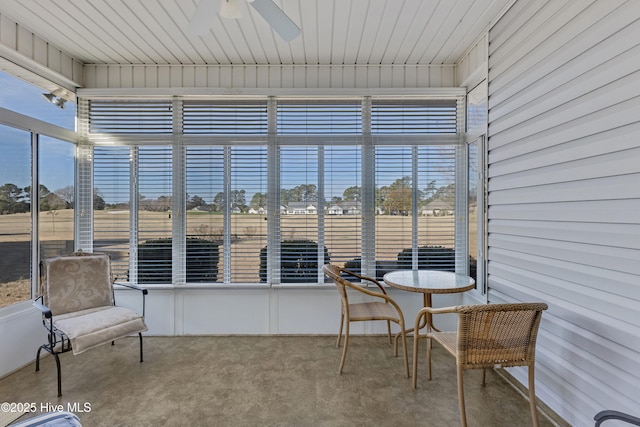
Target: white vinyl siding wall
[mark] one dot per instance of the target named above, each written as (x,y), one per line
(564,228)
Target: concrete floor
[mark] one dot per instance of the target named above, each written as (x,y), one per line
(262,381)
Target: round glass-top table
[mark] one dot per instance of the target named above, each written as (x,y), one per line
(429,282)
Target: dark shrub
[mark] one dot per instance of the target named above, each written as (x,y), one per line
(299,261)
(433,258)
(382,267)
(154,261)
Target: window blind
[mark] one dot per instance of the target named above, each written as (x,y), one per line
(305,117)
(405,116)
(150,117)
(246,233)
(320,165)
(111,178)
(225,118)
(154,214)
(205,212)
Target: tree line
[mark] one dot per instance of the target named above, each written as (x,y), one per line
(393,199)
(14,199)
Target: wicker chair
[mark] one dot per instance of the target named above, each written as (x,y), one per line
(488,336)
(78,307)
(383,309)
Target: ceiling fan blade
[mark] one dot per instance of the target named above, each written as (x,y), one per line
(279,21)
(203,17)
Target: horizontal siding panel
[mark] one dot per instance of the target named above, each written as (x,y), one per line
(560,51)
(518,157)
(602,234)
(598,122)
(615,259)
(603,284)
(617,187)
(610,211)
(607,96)
(545,101)
(511,22)
(579,319)
(507,53)
(541,81)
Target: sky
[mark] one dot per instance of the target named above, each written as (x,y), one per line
(57,168)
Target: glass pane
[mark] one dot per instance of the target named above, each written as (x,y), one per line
(474,179)
(205,213)
(154,215)
(15,216)
(436,217)
(56,197)
(25,98)
(111,206)
(343,205)
(393,172)
(299,219)
(247,193)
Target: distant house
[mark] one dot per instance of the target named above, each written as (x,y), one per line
(351,208)
(437,208)
(301,208)
(259,211)
(334,210)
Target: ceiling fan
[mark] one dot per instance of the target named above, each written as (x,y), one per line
(202,18)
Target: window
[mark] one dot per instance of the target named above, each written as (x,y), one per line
(22,210)
(112,206)
(267,191)
(25,98)
(57,197)
(15,216)
(476,206)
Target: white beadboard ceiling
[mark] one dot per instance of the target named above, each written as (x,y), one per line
(334,32)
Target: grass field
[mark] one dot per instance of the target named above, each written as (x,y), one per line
(342,236)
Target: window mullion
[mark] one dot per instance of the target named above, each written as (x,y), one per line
(226,240)
(134,198)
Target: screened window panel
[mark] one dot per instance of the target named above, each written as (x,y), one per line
(111,208)
(56,197)
(225,118)
(393,195)
(436,216)
(247,234)
(343,204)
(205,213)
(151,117)
(15,215)
(154,214)
(413,116)
(319,168)
(319,117)
(299,213)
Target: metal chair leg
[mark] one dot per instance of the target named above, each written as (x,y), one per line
(59,373)
(140,335)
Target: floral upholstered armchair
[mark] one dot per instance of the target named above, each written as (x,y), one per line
(78,306)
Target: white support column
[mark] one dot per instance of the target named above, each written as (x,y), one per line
(273,197)
(368,244)
(178,218)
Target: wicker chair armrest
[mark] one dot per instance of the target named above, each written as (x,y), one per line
(427,311)
(365,278)
(439,310)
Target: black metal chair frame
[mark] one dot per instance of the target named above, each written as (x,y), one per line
(57,338)
(602,416)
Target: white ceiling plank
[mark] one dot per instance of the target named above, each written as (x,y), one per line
(334,32)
